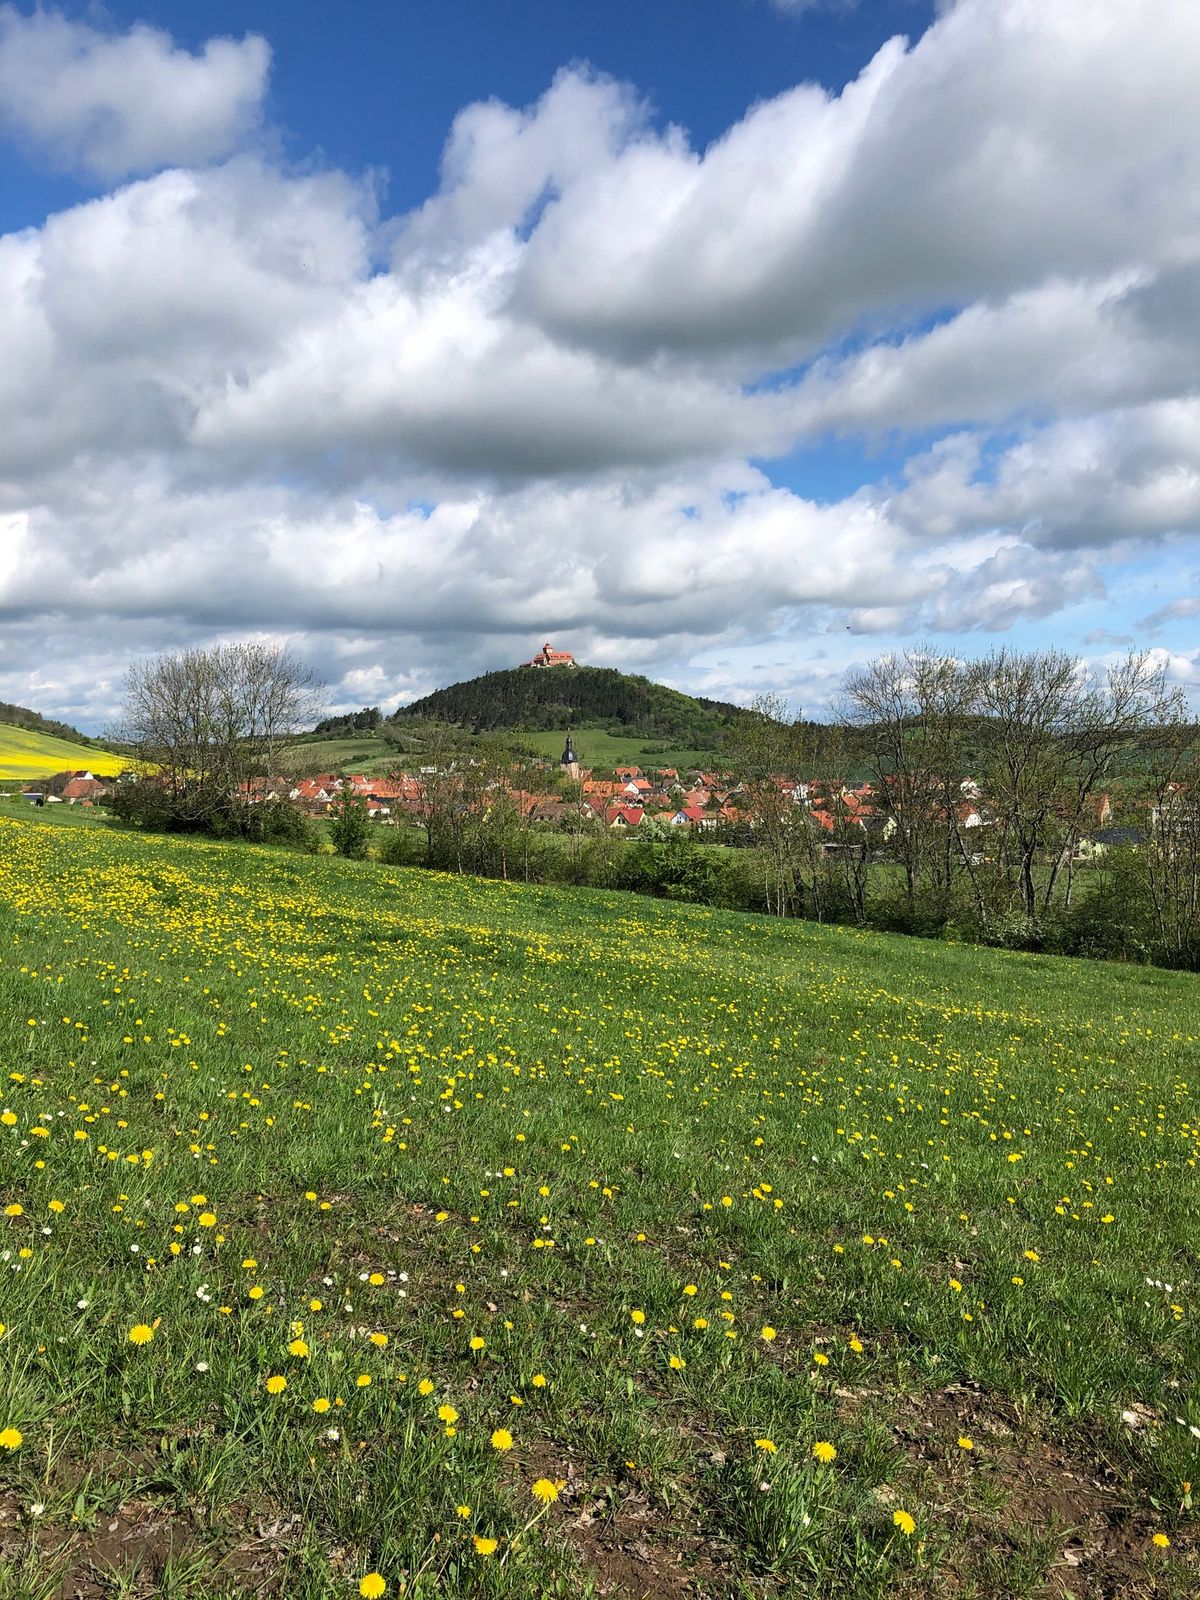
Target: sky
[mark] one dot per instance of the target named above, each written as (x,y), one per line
(734,342)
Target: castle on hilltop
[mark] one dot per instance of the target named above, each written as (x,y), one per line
(548,656)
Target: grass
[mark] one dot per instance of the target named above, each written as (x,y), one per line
(650,1189)
(26,754)
(595,748)
(603,751)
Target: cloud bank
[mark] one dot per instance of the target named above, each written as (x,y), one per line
(566,394)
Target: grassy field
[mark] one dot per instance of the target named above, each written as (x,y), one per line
(603,751)
(27,754)
(375,1228)
(599,750)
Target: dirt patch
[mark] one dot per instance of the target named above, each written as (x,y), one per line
(1018,1495)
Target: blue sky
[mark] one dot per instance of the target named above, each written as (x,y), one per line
(730,341)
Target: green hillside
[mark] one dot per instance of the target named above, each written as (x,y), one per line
(28,753)
(551,700)
(362,1220)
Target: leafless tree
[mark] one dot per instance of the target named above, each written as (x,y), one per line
(207,721)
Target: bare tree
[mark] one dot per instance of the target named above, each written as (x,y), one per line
(207,721)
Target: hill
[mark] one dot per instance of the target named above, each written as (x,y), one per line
(495,1232)
(27,753)
(528,700)
(23,717)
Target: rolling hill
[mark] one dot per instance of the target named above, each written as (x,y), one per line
(528,701)
(28,753)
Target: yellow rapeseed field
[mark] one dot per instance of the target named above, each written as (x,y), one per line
(25,753)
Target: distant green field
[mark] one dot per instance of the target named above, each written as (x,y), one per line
(26,754)
(602,751)
(359,754)
(510,1242)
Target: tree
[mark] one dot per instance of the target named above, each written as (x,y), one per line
(205,722)
(349,824)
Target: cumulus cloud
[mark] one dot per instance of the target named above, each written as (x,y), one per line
(109,104)
(237,399)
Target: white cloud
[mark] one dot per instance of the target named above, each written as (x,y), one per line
(109,104)
(238,400)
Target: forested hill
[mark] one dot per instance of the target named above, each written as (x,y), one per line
(530,700)
(22,717)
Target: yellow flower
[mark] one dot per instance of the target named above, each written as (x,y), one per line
(637,1316)
(677,1363)
(538,1380)
(363,1381)
(140,1333)
(824,1451)
(820,1359)
(689,1288)
(379,1340)
(447,1414)
(545,1490)
(14,1210)
(425,1386)
(297,1348)
(276,1385)
(478,1344)
(207,1219)
(768,1334)
(463,1511)
(10,1439)
(484,1546)
(857,1346)
(904,1522)
(1161,1540)
(964,1443)
(256,1292)
(376,1279)
(768,1446)
(502,1439)
(56,1206)
(321,1405)
(372,1586)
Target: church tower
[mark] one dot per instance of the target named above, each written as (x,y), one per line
(569,764)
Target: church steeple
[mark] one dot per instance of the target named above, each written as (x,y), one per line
(568,762)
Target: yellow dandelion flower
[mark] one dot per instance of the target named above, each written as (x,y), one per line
(820,1359)
(637,1317)
(320,1405)
(767,1335)
(275,1384)
(10,1438)
(485,1546)
(363,1381)
(538,1380)
(372,1586)
(545,1490)
(297,1348)
(905,1523)
(379,1340)
(478,1344)
(767,1446)
(824,1451)
(1162,1541)
(502,1439)
(140,1333)
(964,1443)
(425,1386)
(447,1414)
(676,1363)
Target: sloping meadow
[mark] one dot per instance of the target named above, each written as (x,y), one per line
(366,1227)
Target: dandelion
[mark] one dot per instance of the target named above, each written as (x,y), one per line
(11,1439)
(485,1546)
(14,1210)
(372,1586)
(545,1490)
(275,1384)
(463,1511)
(767,1335)
(964,1443)
(538,1380)
(767,1446)
(363,1381)
(447,1414)
(140,1333)
(478,1344)
(320,1405)
(637,1317)
(824,1451)
(820,1359)
(425,1386)
(379,1340)
(676,1363)
(376,1279)
(502,1439)
(298,1348)
(905,1523)
(1162,1541)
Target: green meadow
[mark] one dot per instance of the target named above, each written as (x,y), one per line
(371,1231)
